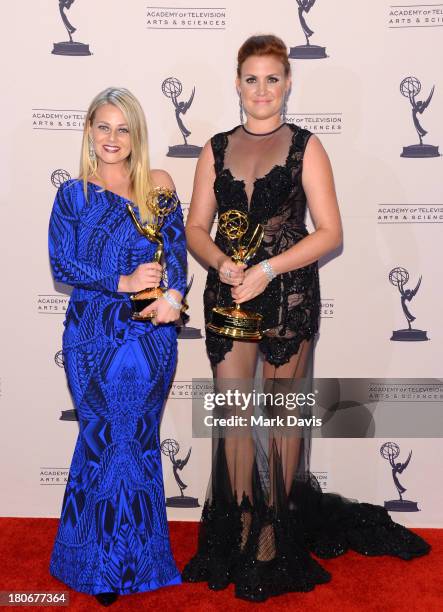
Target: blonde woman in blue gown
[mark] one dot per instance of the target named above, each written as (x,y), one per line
(113,535)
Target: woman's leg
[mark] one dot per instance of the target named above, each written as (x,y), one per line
(236,372)
(287,379)
(285,443)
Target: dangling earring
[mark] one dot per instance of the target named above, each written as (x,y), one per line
(284,108)
(241,109)
(92,155)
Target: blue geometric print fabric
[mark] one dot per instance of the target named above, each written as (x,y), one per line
(113,532)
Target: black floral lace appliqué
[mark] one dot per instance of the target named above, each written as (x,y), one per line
(266,550)
(290,305)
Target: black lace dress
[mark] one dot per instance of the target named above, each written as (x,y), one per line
(264,512)
(290,305)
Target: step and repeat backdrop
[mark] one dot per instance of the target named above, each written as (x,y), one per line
(366,80)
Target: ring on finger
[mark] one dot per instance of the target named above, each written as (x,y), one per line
(228,274)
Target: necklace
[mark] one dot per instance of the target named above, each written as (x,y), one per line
(263,133)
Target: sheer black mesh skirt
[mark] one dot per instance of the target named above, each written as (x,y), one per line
(265,513)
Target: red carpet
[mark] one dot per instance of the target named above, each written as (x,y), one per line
(358,583)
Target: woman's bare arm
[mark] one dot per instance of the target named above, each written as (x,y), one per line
(318,183)
(201,214)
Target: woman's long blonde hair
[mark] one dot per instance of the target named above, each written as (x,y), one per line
(138,160)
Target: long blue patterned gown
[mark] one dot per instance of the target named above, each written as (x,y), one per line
(113,533)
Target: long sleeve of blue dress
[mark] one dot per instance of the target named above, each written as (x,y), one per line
(66,264)
(175,250)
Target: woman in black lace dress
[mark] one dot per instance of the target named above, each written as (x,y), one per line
(264,512)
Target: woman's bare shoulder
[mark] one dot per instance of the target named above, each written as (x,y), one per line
(161,178)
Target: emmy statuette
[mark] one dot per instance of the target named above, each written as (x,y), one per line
(151,231)
(233,321)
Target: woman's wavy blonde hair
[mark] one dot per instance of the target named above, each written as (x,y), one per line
(138,160)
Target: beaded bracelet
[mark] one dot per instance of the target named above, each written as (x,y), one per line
(172,301)
(268,269)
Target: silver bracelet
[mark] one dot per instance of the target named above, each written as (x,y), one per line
(268,269)
(172,301)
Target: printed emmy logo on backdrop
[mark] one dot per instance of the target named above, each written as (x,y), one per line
(185,331)
(318,123)
(58,119)
(306,51)
(322,479)
(406,407)
(327,306)
(66,415)
(415,16)
(185,209)
(399,277)
(410,87)
(172,88)
(390,451)
(190,389)
(186,18)
(424,390)
(399,214)
(59,360)
(54,303)
(50,476)
(60,176)
(69,47)
(170,448)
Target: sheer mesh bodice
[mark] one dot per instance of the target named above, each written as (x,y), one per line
(261,175)
(250,157)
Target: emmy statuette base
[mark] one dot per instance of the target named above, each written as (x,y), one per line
(419,150)
(184,151)
(235,323)
(307,52)
(182,501)
(401,505)
(409,335)
(142,299)
(71,48)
